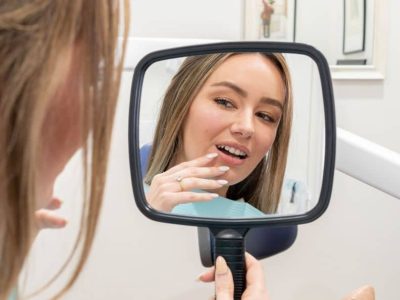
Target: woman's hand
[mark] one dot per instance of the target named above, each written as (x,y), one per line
(46,218)
(255,283)
(366,292)
(175,185)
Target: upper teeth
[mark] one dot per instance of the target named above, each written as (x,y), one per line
(232,150)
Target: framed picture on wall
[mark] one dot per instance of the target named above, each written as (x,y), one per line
(354,16)
(273,20)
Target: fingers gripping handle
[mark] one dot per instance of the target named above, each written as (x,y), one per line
(230,245)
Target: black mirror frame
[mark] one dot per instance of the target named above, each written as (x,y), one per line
(330,132)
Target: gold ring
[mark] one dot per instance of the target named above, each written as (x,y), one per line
(179,180)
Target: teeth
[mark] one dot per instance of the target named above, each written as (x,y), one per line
(232,150)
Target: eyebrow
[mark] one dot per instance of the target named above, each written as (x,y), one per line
(243,93)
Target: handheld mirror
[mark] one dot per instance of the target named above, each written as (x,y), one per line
(231,136)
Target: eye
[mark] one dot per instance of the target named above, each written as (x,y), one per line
(224,102)
(266,117)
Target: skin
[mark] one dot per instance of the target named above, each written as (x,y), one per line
(240,105)
(61,137)
(365,292)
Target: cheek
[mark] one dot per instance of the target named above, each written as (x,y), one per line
(209,117)
(66,124)
(205,120)
(62,134)
(202,126)
(265,141)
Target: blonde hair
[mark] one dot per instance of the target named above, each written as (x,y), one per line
(262,188)
(34,34)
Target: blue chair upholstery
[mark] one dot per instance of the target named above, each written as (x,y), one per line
(144,157)
(261,242)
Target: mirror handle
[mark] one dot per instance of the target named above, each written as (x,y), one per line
(229,244)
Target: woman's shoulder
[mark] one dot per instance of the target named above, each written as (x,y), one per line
(219,207)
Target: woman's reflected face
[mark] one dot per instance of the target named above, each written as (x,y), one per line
(236,114)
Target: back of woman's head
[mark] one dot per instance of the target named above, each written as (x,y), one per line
(38,40)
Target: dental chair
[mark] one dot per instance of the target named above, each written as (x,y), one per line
(261,242)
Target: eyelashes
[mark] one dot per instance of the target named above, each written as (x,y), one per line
(266,117)
(224,102)
(230,105)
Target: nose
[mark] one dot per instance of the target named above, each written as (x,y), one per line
(243,125)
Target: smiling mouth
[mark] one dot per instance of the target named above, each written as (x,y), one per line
(231,151)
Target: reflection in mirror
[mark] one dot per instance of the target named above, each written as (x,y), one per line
(232,135)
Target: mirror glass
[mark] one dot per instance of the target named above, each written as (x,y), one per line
(232,135)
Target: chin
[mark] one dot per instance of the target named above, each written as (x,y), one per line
(234,180)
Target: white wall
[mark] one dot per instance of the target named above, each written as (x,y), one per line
(355,242)
(327,36)
(207,19)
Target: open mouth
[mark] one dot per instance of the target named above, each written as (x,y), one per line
(231,151)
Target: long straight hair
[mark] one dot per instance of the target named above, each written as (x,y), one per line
(33,36)
(262,188)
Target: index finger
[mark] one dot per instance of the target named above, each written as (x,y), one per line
(198,162)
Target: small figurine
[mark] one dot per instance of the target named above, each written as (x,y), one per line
(266,15)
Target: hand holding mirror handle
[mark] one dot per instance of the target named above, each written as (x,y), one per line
(229,244)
